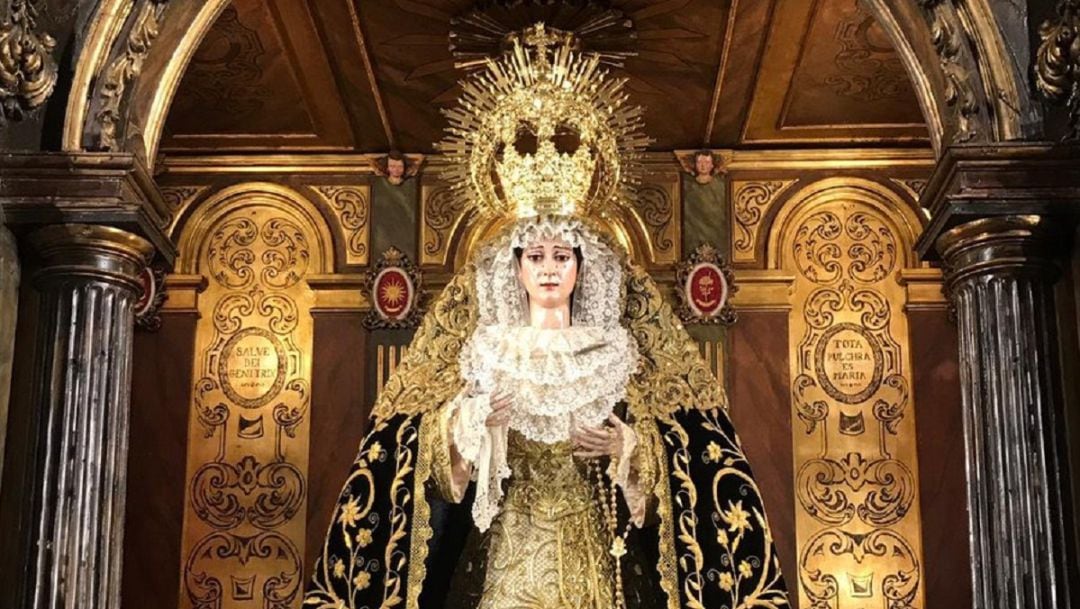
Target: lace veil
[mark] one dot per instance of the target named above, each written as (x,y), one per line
(598,296)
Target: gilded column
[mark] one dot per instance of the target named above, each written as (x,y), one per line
(1000,277)
(88,278)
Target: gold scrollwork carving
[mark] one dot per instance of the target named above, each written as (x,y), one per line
(178,199)
(28,71)
(352,209)
(207,586)
(752,201)
(266,495)
(1057,61)
(655,206)
(913,186)
(871,250)
(959,92)
(834,556)
(441,211)
(248,446)
(856,488)
(126,68)
(230,256)
(286,261)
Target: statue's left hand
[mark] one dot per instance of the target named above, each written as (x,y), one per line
(601,441)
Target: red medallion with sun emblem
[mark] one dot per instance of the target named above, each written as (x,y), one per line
(392,293)
(395,287)
(706,289)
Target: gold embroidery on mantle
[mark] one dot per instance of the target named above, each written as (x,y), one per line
(673,374)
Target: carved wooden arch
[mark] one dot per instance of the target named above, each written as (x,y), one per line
(205,218)
(136,51)
(970,85)
(970,81)
(890,204)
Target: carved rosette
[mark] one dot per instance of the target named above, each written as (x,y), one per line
(753,198)
(857,519)
(394,288)
(704,283)
(1000,278)
(28,71)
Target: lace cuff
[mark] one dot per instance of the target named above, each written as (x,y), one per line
(620,470)
(485,448)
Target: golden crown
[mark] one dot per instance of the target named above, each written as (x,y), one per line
(543,130)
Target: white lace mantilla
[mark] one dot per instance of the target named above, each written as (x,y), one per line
(558,378)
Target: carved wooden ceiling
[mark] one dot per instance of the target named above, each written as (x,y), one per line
(367,75)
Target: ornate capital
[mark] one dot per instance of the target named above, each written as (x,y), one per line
(86,187)
(995,180)
(1007,245)
(100,253)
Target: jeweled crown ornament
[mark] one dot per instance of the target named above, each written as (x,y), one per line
(544,130)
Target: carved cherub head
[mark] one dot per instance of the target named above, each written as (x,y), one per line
(397,167)
(701,164)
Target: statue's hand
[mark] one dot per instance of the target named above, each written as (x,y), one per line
(500,409)
(601,441)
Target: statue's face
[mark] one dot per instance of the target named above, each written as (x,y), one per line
(549,272)
(704,164)
(395,168)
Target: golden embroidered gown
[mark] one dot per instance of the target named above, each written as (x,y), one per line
(548,546)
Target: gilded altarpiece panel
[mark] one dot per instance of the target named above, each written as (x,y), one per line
(858,527)
(244,518)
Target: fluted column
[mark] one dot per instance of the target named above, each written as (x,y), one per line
(88,277)
(1000,273)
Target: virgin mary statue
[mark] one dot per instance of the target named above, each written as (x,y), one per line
(553,439)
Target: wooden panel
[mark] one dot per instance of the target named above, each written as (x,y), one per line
(160,394)
(940,425)
(374,75)
(825,76)
(260,78)
(848,74)
(339,418)
(760,409)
